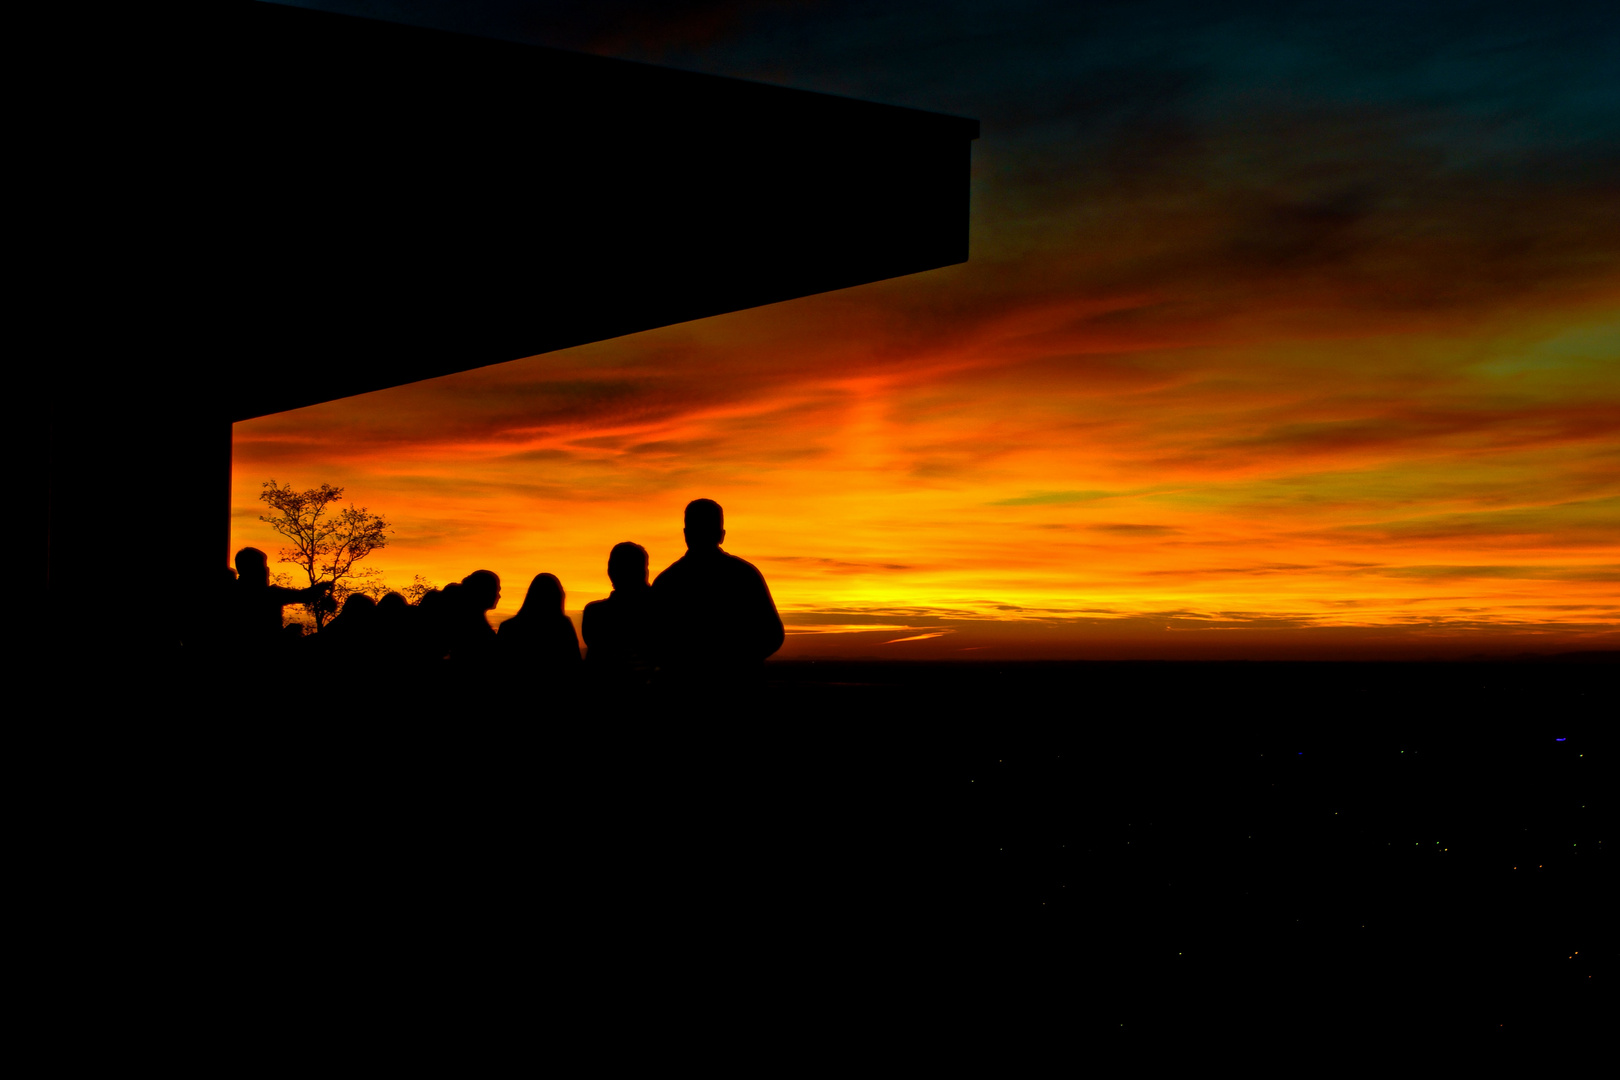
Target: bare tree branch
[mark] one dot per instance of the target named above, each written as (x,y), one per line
(323,544)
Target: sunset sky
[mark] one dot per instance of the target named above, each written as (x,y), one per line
(1286,333)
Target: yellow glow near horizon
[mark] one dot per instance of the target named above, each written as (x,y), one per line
(1037,486)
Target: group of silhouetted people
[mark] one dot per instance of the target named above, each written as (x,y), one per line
(710,614)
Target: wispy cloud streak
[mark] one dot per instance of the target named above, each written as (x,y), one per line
(1275,331)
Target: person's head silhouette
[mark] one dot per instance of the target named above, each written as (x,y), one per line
(705,525)
(545,596)
(253,567)
(481,590)
(627,566)
(358,607)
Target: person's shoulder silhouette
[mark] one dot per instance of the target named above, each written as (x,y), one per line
(714,608)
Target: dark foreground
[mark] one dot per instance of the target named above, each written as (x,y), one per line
(927,853)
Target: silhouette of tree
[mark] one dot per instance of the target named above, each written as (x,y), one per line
(292,615)
(367,581)
(418,588)
(326,544)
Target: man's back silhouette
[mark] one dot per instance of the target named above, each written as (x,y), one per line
(620,632)
(256,604)
(715,610)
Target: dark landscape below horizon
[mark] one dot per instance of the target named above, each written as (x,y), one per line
(1171,849)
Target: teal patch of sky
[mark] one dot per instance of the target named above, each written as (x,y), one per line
(1517,78)
(1555,58)
(1502,82)
(1591,348)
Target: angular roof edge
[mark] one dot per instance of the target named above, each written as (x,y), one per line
(628,73)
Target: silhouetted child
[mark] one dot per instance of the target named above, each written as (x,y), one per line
(540,640)
(620,632)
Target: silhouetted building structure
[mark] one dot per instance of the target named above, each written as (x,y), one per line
(373,203)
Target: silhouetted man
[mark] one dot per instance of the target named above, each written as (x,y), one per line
(256,604)
(620,631)
(716,613)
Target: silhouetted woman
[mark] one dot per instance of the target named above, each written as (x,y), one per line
(540,640)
